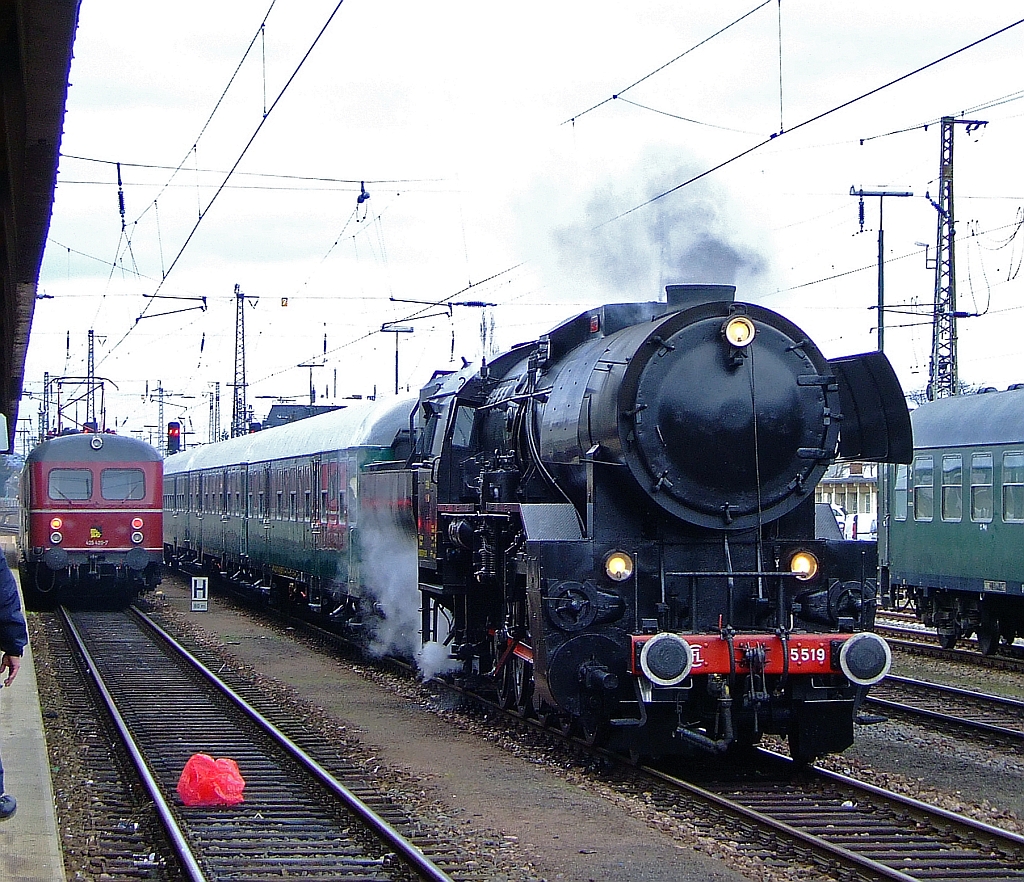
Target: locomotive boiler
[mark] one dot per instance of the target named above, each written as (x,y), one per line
(616,523)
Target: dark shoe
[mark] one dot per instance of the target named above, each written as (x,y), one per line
(8,807)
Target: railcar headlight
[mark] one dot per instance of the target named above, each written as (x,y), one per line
(739,331)
(56,538)
(865,658)
(618,566)
(803,565)
(136,523)
(666,659)
(56,523)
(136,537)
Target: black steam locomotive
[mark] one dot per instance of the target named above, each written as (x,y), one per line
(613,524)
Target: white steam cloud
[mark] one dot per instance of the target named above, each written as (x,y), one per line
(697,234)
(390,574)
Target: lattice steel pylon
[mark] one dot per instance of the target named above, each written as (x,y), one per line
(239,411)
(214,431)
(943,380)
(90,394)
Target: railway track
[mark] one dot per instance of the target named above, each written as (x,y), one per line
(924,643)
(297,819)
(849,828)
(855,826)
(993,715)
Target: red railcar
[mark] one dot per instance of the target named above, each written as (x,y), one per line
(91,520)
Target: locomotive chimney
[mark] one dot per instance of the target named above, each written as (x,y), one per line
(685,296)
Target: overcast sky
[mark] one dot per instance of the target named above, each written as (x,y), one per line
(486,169)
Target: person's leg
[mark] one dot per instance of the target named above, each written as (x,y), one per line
(7,804)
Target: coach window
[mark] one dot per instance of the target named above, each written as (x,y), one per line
(899,498)
(122,484)
(69,484)
(1013,487)
(981,487)
(952,487)
(924,488)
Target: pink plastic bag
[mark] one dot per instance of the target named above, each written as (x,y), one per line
(206,781)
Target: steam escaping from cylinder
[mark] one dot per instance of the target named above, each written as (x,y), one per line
(390,574)
(390,571)
(433,659)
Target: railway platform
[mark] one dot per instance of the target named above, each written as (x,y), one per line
(29,842)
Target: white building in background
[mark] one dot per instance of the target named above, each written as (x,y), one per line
(853,486)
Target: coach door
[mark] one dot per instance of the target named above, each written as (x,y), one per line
(197,512)
(266,506)
(313,513)
(245,485)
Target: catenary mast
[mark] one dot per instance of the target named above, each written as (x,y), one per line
(942,372)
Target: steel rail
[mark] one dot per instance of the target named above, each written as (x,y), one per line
(935,816)
(993,832)
(920,642)
(409,853)
(182,850)
(999,701)
(987,697)
(815,843)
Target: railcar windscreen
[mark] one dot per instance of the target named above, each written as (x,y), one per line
(123,484)
(70,484)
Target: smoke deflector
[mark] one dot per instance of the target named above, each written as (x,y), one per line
(876,422)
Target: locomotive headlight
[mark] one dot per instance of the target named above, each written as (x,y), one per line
(56,523)
(618,566)
(666,659)
(136,537)
(739,331)
(803,565)
(136,523)
(865,658)
(56,538)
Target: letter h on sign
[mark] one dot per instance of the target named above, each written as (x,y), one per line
(200,594)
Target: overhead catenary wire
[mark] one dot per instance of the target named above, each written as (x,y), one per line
(970,111)
(695,122)
(809,120)
(420,313)
(662,67)
(782,128)
(192,151)
(231,171)
(237,174)
(221,171)
(249,143)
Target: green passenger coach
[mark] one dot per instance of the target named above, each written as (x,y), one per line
(956,520)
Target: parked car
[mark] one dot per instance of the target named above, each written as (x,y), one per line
(861,526)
